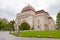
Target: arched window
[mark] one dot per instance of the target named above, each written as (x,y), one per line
(38,26)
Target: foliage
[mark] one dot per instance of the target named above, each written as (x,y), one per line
(24,26)
(3,24)
(11,25)
(58,21)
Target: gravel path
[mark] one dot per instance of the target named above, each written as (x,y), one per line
(7,36)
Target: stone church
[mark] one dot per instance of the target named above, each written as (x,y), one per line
(39,20)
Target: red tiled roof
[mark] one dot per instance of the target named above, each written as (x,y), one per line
(40,11)
(28,8)
(49,17)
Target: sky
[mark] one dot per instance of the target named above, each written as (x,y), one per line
(9,8)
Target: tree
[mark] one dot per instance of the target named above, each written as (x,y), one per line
(5,20)
(58,21)
(3,23)
(11,25)
(24,26)
(0,25)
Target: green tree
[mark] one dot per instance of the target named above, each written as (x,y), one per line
(24,26)
(58,21)
(3,23)
(0,25)
(11,25)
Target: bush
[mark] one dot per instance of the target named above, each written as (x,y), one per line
(24,26)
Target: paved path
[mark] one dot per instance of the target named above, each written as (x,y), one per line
(7,36)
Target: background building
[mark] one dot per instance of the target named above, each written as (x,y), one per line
(39,20)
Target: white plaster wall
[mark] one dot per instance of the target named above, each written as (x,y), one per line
(29,20)
(43,19)
(41,22)
(29,16)
(51,24)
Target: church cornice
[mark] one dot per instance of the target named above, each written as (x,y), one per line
(41,11)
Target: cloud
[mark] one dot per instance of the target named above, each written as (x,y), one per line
(9,8)
(54,8)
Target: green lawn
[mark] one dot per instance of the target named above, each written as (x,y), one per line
(42,34)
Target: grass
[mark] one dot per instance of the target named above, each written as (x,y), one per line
(42,34)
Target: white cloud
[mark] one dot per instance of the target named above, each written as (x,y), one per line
(9,8)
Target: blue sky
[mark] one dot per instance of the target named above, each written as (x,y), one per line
(9,8)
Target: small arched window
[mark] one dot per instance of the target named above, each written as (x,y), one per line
(38,26)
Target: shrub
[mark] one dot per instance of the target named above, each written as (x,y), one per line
(24,26)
